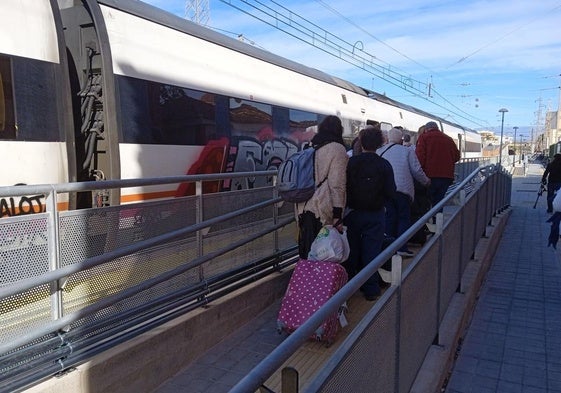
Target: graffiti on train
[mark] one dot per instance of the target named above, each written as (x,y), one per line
(19,206)
(251,155)
(245,155)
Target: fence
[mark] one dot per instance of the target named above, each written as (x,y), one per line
(74,283)
(387,348)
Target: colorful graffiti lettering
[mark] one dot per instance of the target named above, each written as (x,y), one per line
(251,155)
(243,155)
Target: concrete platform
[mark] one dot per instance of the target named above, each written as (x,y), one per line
(514,339)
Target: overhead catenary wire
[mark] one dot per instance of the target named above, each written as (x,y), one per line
(306,31)
(464,58)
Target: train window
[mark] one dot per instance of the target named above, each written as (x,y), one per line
(7,123)
(251,119)
(385,126)
(35,99)
(303,124)
(154,113)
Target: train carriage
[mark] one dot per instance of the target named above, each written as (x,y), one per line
(115,89)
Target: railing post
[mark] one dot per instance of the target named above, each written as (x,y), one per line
(397,266)
(199,218)
(289,377)
(462,236)
(53,240)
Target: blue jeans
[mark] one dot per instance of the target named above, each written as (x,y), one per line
(551,191)
(438,188)
(398,216)
(365,231)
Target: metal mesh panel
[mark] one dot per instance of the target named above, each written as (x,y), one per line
(24,313)
(489,189)
(482,218)
(370,363)
(418,316)
(23,254)
(23,248)
(241,227)
(485,189)
(469,240)
(171,286)
(222,203)
(451,263)
(91,232)
(87,287)
(257,249)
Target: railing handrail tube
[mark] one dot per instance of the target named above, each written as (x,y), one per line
(7,191)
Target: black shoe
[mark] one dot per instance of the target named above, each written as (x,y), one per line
(371,298)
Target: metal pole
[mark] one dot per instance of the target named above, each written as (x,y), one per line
(502,110)
(514,158)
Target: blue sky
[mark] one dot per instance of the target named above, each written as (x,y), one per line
(477,56)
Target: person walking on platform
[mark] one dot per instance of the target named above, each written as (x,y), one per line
(552,177)
(438,154)
(329,199)
(406,167)
(370,183)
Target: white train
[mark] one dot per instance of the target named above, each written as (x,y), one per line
(114,89)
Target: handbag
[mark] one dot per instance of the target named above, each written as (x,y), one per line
(330,245)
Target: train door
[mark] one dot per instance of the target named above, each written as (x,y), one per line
(92,97)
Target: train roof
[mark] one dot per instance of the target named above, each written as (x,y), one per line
(162,17)
(157,15)
(390,101)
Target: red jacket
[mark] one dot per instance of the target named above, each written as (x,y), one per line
(437,153)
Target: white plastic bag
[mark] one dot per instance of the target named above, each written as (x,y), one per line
(330,245)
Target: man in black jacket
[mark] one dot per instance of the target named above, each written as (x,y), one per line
(552,176)
(370,182)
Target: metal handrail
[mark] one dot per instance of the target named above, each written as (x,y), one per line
(272,362)
(54,332)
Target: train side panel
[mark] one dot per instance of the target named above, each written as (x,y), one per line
(34,125)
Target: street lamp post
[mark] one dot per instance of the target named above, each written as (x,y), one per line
(502,111)
(514,158)
(520,144)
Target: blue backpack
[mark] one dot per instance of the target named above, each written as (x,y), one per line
(296,181)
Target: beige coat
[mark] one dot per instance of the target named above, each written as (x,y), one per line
(331,163)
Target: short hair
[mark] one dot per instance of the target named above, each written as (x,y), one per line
(431,125)
(395,135)
(371,122)
(371,138)
(406,138)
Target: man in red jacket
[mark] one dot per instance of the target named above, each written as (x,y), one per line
(437,153)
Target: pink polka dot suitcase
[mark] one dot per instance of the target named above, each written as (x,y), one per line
(311,285)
